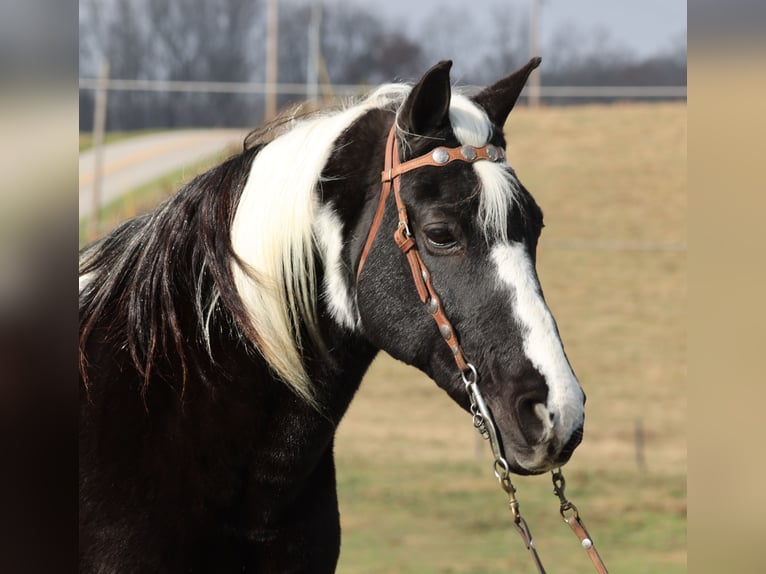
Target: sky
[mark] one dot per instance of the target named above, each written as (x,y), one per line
(644,27)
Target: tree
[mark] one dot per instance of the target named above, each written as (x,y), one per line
(594,58)
(359,47)
(160,40)
(224,40)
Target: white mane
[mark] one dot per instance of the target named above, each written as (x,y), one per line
(275,226)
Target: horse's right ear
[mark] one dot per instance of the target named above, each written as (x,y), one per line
(427,107)
(499,98)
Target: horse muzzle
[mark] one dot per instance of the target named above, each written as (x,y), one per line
(534,442)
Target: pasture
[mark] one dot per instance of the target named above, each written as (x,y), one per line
(415,484)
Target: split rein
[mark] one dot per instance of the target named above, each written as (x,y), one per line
(482,418)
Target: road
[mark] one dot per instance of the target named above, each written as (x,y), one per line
(130,163)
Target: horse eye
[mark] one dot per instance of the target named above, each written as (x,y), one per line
(440,237)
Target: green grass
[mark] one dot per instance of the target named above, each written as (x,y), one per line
(440,518)
(417,493)
(86,138)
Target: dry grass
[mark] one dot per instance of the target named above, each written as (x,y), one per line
(607,177)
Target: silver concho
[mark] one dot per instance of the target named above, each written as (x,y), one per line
(432,306)
(492,152)
(468,152)
(440,155)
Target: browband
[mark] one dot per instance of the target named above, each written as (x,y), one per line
(438,157)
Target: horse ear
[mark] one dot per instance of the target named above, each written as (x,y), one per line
(499,98)
(427,107)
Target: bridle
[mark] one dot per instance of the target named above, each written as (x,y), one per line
(439,157)
(482,418)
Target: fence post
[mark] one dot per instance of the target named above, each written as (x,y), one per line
(272,59)
(99,126)
(312,69)
(639,435)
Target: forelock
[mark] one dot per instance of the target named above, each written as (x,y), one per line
(499,189)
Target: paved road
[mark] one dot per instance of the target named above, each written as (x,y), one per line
(130,163)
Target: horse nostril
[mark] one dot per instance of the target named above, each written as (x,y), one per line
(570,446)
(535,421)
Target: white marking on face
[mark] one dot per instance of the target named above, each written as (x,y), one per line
(328,230)
(542,344)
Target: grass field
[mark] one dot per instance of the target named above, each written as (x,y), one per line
(86,138)
(416,488)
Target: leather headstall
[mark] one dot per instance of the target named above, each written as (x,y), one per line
(390,176)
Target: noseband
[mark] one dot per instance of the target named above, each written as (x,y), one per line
(482,418)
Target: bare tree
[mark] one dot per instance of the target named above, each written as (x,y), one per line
(205,40)
(156,39)
(483,45)
(576,57)
(359,47)
(224,40)
(508,45)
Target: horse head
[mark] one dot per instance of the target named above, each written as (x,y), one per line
(475,228)
(396,223)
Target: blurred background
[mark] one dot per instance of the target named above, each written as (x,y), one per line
(169,88)
(216,63)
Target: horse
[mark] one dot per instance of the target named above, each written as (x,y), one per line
(223,335)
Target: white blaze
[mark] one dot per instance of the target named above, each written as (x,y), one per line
(540,338)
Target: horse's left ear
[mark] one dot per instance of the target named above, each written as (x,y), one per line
(427,107)
(499,98)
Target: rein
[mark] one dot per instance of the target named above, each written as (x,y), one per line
(482,418)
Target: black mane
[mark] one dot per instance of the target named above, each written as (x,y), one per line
(162,279)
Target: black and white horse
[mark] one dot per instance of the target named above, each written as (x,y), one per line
(223,336)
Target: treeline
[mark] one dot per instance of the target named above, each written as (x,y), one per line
(225,40)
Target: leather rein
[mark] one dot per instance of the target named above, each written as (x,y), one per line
(482,418)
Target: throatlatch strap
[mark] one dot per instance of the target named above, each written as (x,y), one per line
(384,193)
